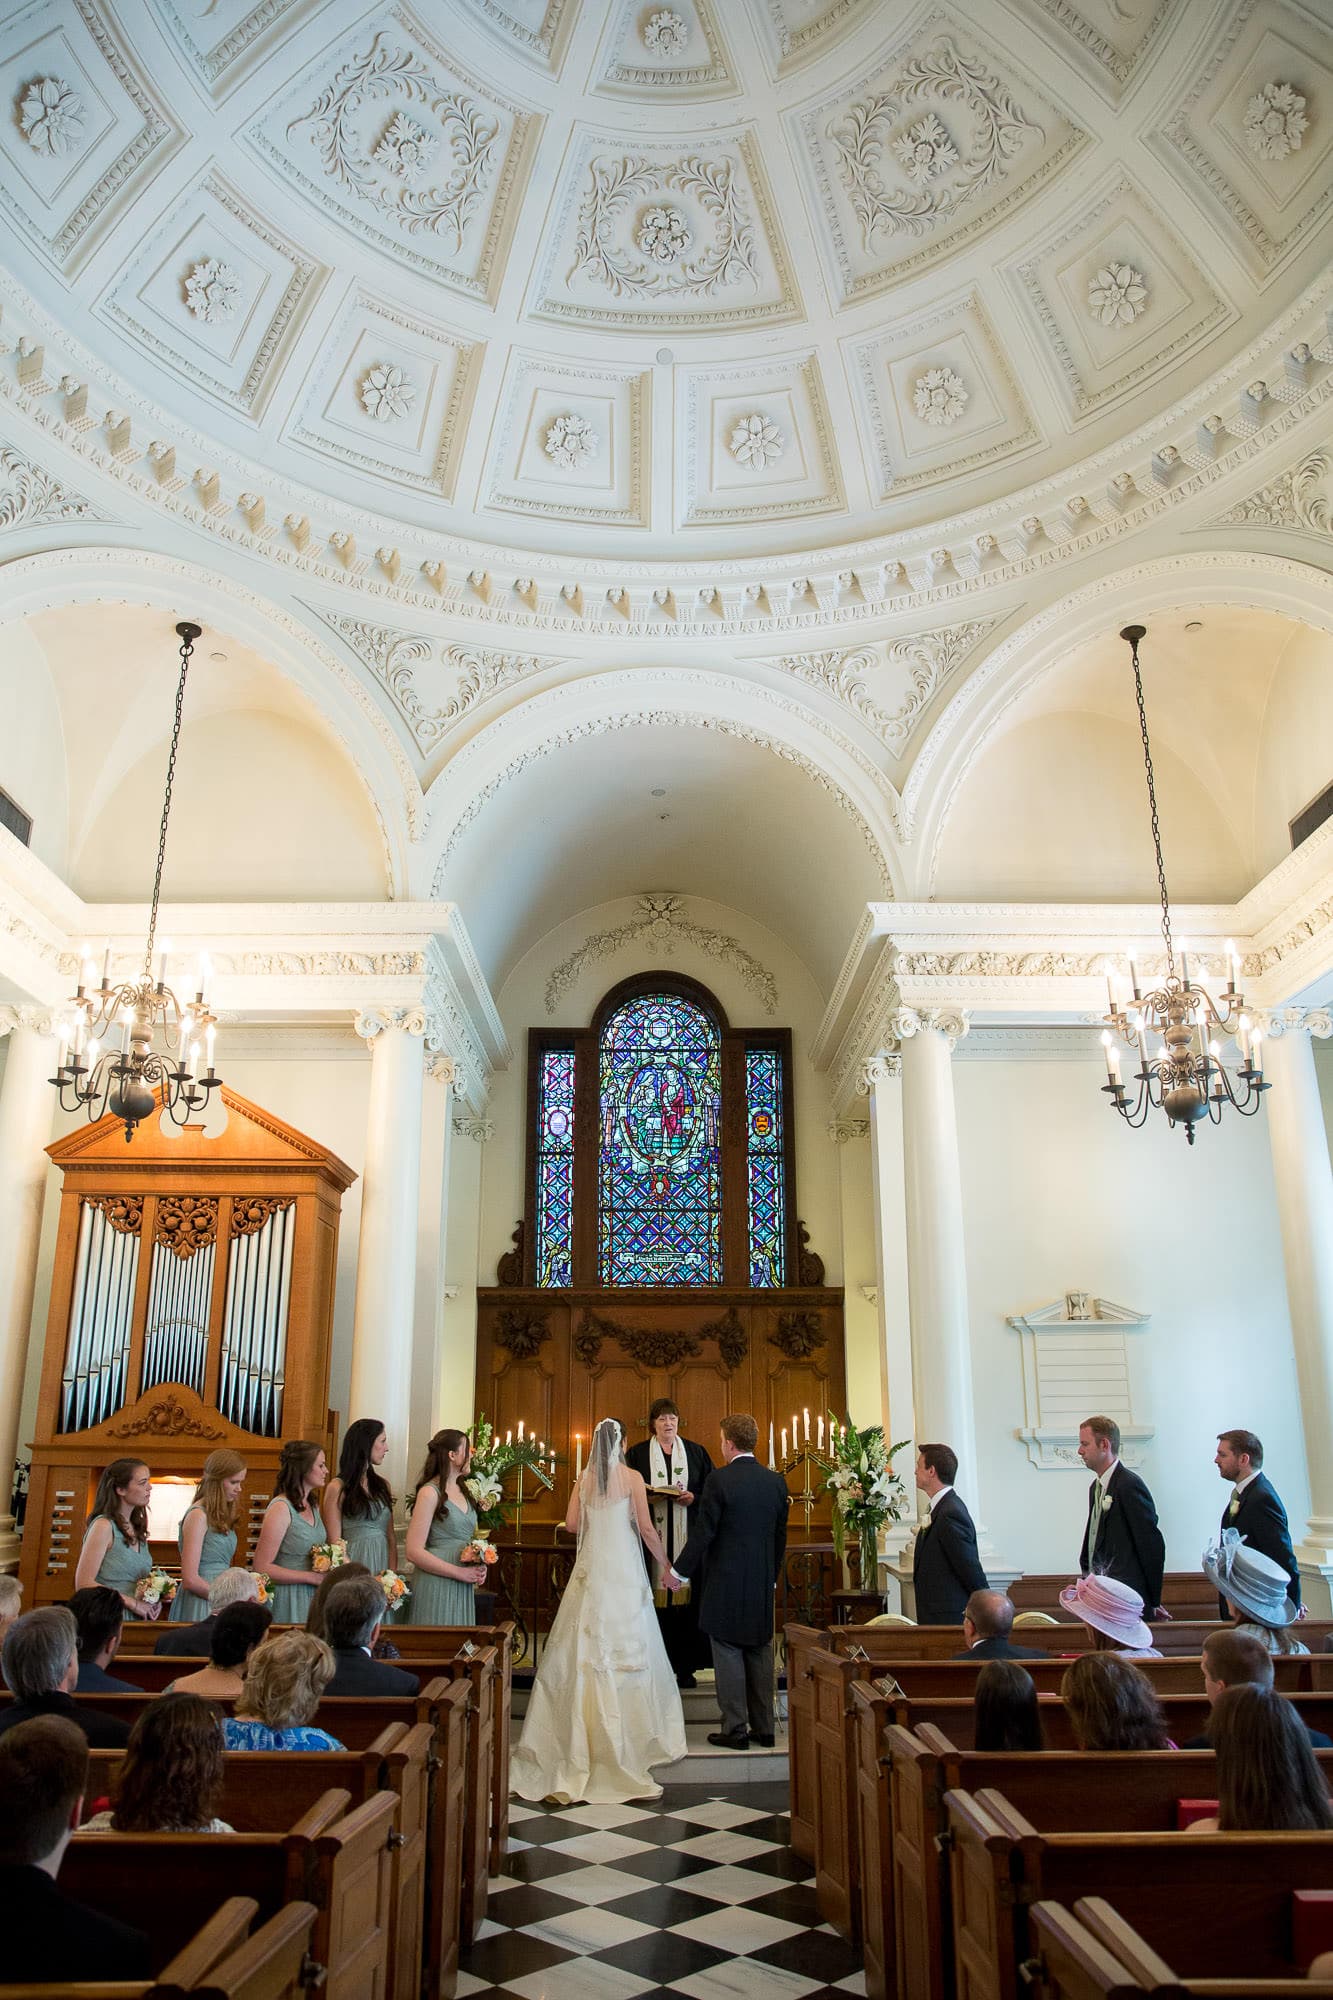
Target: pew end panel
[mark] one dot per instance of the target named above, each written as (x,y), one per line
(224,1932)
(870,1712)
(1070,1962)
(352,1876)
(801,1642)
(919,1882)
(275,1963)
(985,1847)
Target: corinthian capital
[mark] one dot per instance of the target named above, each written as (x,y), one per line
(879,1069)
(372,1021)
(442,1068)
(906,1022)
(840,1130)
(1277,1021)
(39,1020)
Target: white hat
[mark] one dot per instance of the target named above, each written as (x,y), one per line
(1249,1578)
(1111,1607)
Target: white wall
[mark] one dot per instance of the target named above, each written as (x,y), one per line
(32,744)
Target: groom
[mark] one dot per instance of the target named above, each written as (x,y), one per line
(739,1537)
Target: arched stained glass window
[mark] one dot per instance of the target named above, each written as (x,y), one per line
(659,1208)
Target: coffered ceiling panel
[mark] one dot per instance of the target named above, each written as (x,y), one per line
(572,441)
(675,50)
(756,443)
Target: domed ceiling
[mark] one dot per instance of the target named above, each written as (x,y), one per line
(664,283)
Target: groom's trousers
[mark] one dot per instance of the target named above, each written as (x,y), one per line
(744,1679)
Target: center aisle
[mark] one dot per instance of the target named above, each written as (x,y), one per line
(692,1894)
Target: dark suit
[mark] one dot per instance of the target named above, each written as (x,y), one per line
(104,1732)
(739,1538)
(1318,1741)
(1129,1542)
(1262,1520)
(945,1566)
(195,1640)
(51,1939)
(96,1680)
(354,1672)
(1000,1649)
(687,1649)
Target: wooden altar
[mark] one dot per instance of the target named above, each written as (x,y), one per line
(191,1308)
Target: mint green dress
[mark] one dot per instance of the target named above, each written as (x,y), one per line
(291,1601)
(215,1555)
(440,1600)
(124,1563)
(367,1539)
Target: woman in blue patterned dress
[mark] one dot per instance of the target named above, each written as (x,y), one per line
(358,1505)
(207,1533)
(292,1528)
(284,1680)
(115,1551)
(444,1520)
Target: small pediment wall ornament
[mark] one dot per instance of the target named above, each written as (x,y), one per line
(809,1264)
(166,1417)
(660,1347)
(520,1332)
(662,921)
(509,1266)
(1075,1358)
(798,1335)
(186,1222)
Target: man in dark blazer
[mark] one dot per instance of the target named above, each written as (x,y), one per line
(1235,1659)
(352,1618)
(669,1462)
(945,1566)
(195,1640)
(987,1623)
(739,1538)
(1254,1509)
(49,1938)
(99,1615)
(40,1661)
(1121,1537)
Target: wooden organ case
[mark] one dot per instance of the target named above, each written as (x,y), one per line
(191,1308)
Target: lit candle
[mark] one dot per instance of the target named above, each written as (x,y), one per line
(1233,965)
(1112,1057)
(821,1435)
(520,1430)
(578,1456)
(106,968)
(807,1426)
(795,1433)
(1134,975)
(211,1041)
(1244,1039)
(784,1444)
(770,1441)
(1257,1051)
(509,1437)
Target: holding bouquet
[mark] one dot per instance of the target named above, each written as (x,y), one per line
(865,1491)
(479,1550)
(265,1587)
(328,1555)
(155,1590)
(395,1588)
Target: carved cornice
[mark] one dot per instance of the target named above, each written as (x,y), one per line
(373,1021)
(878,1070)
(1279,1021)
(36,1020)
(906,1023)
(842,1130)
(1300,498)
(32,498)
(480,1130)
(660,920)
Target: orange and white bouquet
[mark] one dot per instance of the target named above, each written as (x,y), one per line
(156,1588)
(328,1555)
(264,1586)
(395,1588)
(479,1550)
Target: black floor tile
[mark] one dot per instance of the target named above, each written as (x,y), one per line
(510,1955)
(662,1957)
(543,1864)
(517,1909)
(794,1902)
(779,1862)
(664,1904)
(666,1864)
(817,1954)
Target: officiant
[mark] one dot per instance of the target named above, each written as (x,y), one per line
(675,1471)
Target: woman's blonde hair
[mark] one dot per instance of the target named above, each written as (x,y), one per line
(219,1512)
(284,1680)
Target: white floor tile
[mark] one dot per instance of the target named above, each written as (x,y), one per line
(488,1929)
(499,1883)
(855,1982)
(584,1929)
(468,1983)
(600,1846)
(579,1979)
(720,1813)
(741,1979)
(737,1929)
(732,1885)
(721,1845)
(594,1885)
(513,1846)
(604,1819)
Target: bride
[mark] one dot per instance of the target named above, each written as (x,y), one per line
(604,1707)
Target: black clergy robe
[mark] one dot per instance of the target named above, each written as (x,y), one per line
(687,1649)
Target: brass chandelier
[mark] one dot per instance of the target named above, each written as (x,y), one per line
(107,1061)
(1185,1076)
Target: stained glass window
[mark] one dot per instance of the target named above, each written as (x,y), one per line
(764,1166)
(659,1206)
(555,1168)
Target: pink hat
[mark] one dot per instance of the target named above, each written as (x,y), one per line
(1110,1607)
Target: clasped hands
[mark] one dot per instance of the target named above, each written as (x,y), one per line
(670,1581)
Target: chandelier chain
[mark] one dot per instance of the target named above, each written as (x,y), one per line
(187,648)
(1152,806)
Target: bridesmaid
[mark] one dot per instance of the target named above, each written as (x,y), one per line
(115,1551)
(443,1522)
(357,1505)
(207,1533)
(292,1527)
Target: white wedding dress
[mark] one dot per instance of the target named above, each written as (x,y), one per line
(604,1707)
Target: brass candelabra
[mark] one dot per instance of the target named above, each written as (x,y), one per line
(809,1459)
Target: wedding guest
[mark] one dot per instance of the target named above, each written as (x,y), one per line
(100,1617)
(11,1602)
(1254,1509)
(666,1461)
(283,1684)
(946,1569)
(1112,1614)
(1112,1705)
(987,1622)
(1121,1538)
(207,1534)
(170,1778)
(384,1649)
(115,1549)
(1268,1777)
(49,1938)
(236,1633)
(1255,1590)
(1237,1659)
(230,1586)
(358,1505)
(352,1618)
(292,1528)
(1007,1715)
(444,1520)
(40,1663)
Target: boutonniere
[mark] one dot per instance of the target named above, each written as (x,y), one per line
(1107,1504)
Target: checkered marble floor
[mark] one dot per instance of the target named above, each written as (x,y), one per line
(691,1895)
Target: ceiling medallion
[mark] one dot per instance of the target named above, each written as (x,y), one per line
(665,33)
(386,392)
(940,396)
(50,115)
(570,440)
(925,149)
(1117,295)
(757,442)
(211,291)
(1187,1079)
(664,235)
(405,148)
(1275,121)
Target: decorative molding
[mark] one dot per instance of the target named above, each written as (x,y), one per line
(874,1072)
(51,117)
(662,267)
(798,1335)
(394,658)
(36,1020)
(521,1331)
(509,1265)
(372,1021)
(660,920)
(185,1223)
(939,397)
(1075,1358)
(441,1068)
(570,441)
(905,1023)
(1117,295)
(386,392)
(841,1130)
(212,291)
(666,33)
(756,442)
(930,660)
(124,1212)
(166,1418)
(32,498)
(1300,498)
(1275,122)
(1278,1021)
(809,1263)
(660,1347)
(480,1130)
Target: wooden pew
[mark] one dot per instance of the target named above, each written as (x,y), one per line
(221,1963)
(335,1859)
(1074,1948)
(1185,1593)
(871,1720)
(1183,1891)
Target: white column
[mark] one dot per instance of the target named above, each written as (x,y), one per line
(880,1080)
(433,1284)
(386,1259)
(27,1106)
(1303,1177)
(936,1270)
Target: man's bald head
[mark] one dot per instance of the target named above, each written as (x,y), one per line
(990,1613)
